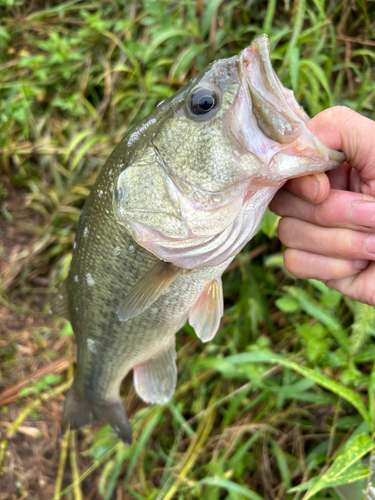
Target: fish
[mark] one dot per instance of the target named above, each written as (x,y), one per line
(177,199)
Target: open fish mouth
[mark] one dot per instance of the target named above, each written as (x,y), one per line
(278,115)
(266,142)
(280,128)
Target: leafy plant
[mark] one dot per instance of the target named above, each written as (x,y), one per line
(282,400)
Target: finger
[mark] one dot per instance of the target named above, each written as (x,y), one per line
(340,209)
(332,242)
(306,265)
(339,178)
(343,129)
(312,188)
(358,286)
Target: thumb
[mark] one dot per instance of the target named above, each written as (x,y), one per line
(343,129)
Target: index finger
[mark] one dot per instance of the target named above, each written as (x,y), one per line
(345,130)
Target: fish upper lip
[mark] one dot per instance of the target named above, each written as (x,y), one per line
(279,118)
(257,74)
(257,59)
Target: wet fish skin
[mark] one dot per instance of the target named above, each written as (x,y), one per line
(185,189)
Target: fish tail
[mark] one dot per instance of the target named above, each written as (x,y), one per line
(79,413)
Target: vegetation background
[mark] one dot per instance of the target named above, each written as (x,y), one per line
(285,392)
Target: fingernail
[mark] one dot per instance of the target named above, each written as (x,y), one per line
(362,213)
(361,264)
(370,243)
(316,187)
(312,186)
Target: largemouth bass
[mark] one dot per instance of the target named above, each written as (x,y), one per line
(178,198)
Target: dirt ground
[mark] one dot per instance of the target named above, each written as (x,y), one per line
(30,349)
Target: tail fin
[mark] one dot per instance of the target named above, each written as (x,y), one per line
(79,412)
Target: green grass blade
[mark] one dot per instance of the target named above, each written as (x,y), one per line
(142,440)
(211,9)
(294,66)
(371,398)
(163,37)
(75,141)
(345,470)
(298,23)
(314,309)
(230,486)
(282,463)
(319,73)
(339,389)
(270,14)
(185,59)
(363,326)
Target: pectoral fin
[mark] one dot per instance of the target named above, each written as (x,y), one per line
(155,380)
(206,313)
(148,289)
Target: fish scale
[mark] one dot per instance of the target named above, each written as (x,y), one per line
(179,197)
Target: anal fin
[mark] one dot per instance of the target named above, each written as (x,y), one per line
(155,380)
(79,413)
(148,289)
(206,313)
(59,304)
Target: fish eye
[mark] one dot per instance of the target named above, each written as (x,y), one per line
(203,101)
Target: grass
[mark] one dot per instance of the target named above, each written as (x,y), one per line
(284,395)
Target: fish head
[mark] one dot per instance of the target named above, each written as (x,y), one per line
(206,163)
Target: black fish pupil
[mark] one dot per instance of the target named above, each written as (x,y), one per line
(206,103)
(203,101)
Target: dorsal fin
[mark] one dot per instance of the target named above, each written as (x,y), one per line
(59,304)
(148,289)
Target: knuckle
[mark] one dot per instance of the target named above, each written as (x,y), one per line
(319,215)
(345,242)
(342,112)
(327,214)
(365,294)
(286,230)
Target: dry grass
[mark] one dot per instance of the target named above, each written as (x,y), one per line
(74,77)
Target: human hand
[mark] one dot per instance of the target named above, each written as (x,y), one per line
(328,220)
